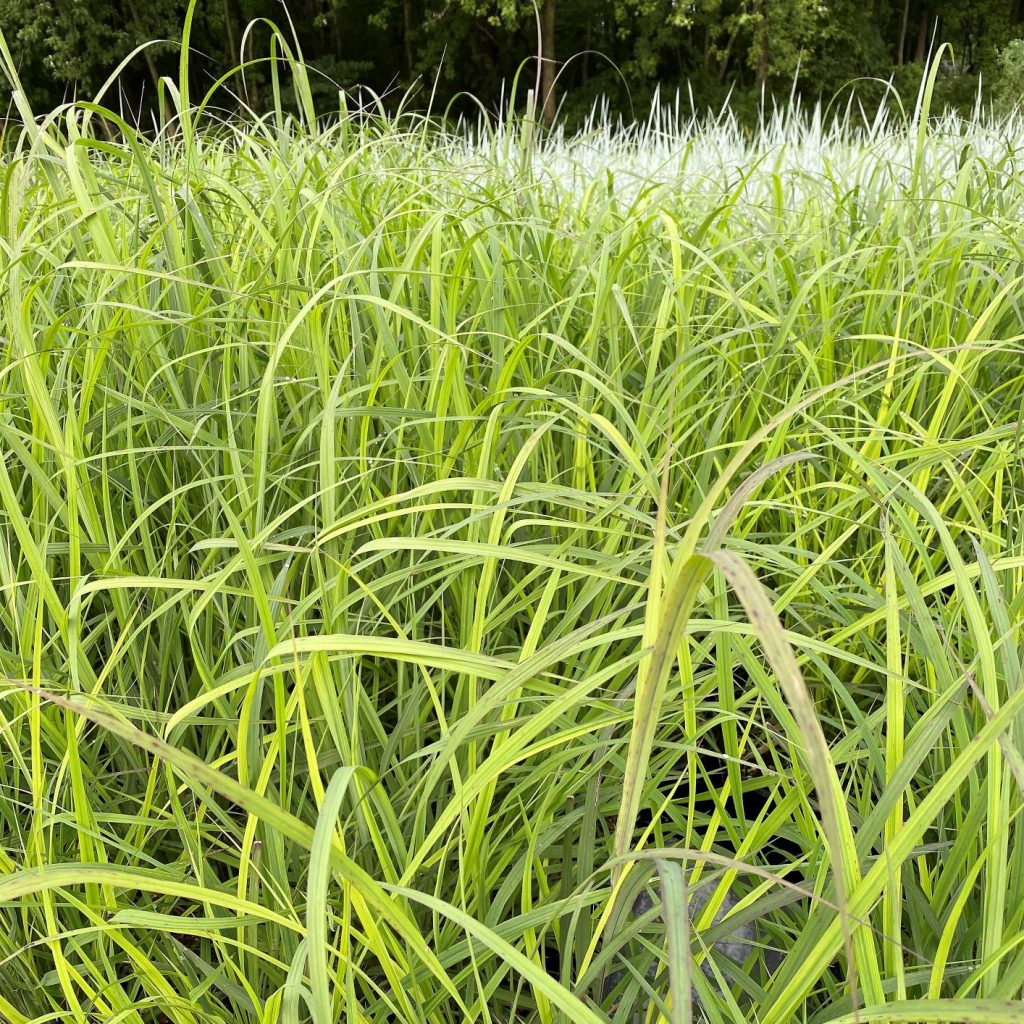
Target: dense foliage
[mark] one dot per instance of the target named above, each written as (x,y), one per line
(619,49)
(410,543)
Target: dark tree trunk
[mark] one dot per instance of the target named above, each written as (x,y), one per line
(407,34)
(723,65)
(588,45)
(229,32)
(901,42)
(921,50)
(547,67)
(762,43)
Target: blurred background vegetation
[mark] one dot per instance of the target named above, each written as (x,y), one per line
(618,50)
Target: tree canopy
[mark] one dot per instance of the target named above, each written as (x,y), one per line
(619,50)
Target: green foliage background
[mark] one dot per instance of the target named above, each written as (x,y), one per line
(622,50)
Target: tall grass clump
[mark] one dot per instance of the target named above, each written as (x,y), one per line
(412,546)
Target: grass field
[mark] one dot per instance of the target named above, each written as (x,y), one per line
(412,543)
